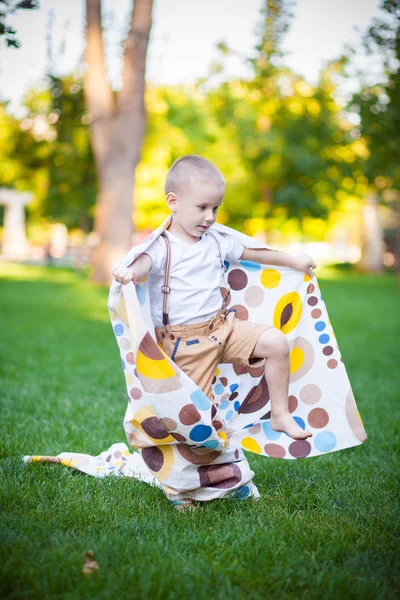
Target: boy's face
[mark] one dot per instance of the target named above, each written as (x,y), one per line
(195,209)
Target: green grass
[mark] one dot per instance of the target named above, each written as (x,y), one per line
(326,527)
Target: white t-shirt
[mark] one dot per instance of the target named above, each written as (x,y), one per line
(195,277)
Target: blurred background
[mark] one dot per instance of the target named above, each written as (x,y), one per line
(296,102)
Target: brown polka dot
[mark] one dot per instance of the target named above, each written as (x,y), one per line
(224,381)
(136,373)
(150,349)
(292,403)
(327,350)
(332,363)
(233,396)
(312,301)
(169,424)
(135,393)
(274,450)
(254,296)
(214,380)
(318,418)
(310,393)
(316,313)
(124,343)
(223,476)
(300,448)
(256,399)
(130,358)
(236,453)
(117,454)
(310,288)
(189,415)
(286,314)
(154,428)
(179,437)
(197,456)
(225,396)
(267,415)
(241,312)
(237,279)
(217,425)
(153,457)
(255,428)
(213,411)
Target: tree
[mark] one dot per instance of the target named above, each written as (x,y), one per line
(117,130)
(291,135)
(8,7)
(378,106)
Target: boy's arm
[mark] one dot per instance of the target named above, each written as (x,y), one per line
(302,262)
(135,271)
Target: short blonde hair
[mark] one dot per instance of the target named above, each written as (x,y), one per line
(191,168)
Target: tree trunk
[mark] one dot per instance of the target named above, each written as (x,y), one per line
(117,131)
(372,245)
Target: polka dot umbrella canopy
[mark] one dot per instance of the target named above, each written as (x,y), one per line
(187,446)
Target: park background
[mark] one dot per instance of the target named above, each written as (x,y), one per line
(300,110)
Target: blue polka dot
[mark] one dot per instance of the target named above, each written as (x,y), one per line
(224,405)
(269,432)
(229,414)
(242,492)
(200,400)
(249,265)
(118,330)
(236,406)
(140,294)
(233,387)
(324,338)
(247,426)
(300,422)
(226,264)
(219,388)
(200,433)
(325,441)
(320,326)
(211,444)
(123,364)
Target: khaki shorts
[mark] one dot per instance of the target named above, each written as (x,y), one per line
(199,348)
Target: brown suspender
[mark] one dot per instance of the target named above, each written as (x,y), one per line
(165,288)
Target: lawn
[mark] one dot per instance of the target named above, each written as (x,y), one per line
(326,527)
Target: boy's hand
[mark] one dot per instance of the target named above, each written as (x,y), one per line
(304,263)
(124,274)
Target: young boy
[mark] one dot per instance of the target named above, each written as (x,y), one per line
(194,191)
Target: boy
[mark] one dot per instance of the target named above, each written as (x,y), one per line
(194,191)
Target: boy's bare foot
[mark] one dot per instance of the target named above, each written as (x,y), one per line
(287,424)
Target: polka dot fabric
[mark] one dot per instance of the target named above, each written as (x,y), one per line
(187,446)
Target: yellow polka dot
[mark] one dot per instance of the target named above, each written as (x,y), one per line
(121,309)
(155,369)
(126,452)
(222,435)
(249,444)
(217,371)
(296,359)
(69,462)
(128,378)
(270,278)
(143,279)
(307,278)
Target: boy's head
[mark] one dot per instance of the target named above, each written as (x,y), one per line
(194,189)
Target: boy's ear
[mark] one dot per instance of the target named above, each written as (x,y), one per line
(171,200)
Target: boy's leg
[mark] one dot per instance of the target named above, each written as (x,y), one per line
(251,341)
